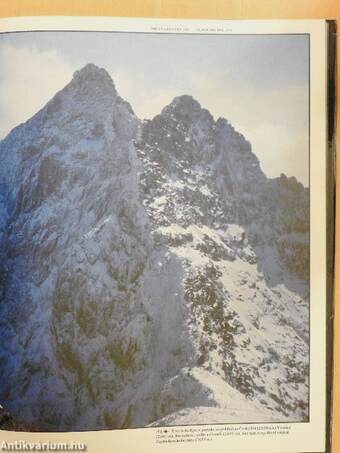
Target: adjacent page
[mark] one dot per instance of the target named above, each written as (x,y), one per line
(164,188)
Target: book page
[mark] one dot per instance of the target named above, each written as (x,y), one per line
(163,234)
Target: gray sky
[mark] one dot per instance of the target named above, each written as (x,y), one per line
(259,83)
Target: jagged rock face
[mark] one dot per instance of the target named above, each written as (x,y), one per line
(150,271)
(243,241)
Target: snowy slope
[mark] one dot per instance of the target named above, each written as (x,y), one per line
(150,272)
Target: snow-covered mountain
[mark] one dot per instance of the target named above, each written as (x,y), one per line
(151,274)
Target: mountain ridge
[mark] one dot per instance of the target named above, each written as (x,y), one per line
(147,268)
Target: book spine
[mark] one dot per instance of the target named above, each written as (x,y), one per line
(331,205)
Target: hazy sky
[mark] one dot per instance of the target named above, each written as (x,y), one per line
(259,83)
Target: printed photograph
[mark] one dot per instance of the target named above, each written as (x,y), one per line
(154,230)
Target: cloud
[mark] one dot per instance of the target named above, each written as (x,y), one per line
(28,79)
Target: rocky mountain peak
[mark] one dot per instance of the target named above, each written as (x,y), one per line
(93,77)
(187,110)
(184,101)
(91,102)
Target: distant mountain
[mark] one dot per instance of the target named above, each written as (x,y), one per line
(150,272)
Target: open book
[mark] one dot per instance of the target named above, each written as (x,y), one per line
(165,196)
